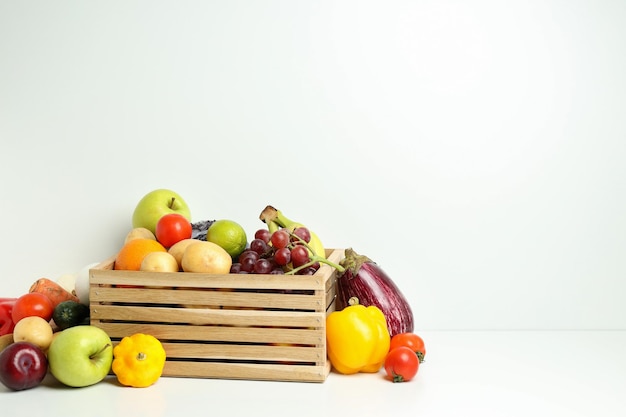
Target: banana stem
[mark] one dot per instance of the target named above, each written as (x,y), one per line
(272,214)
(269,214)
(282,220)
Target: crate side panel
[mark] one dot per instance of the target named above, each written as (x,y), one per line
(223,326)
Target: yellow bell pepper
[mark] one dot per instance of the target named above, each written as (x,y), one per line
(138,360)
(357,339)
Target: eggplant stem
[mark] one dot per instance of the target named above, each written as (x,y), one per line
(353,260)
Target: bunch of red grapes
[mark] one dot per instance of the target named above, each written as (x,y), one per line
(280,252)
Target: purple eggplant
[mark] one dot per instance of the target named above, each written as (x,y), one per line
(365,281)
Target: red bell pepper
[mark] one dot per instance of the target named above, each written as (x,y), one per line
(6,321)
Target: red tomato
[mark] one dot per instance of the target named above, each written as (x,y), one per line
(32,304)
(401,364)
(410,340)
(172,228)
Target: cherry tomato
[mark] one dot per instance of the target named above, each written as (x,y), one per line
(410,340)
(401,364)
(172,228)
(32,304)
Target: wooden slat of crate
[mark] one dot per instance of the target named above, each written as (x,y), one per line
(265,335)
(206,316)
(270,372)
(106,275)
(225,351)
(199,280)
(210,298)
(230,343)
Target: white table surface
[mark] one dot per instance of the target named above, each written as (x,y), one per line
(484,373)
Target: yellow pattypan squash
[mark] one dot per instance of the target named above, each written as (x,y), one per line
(357,339)
(138,360)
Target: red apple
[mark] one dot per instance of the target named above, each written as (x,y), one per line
(22,366)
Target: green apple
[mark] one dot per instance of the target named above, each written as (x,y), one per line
(155,205)
(80,356)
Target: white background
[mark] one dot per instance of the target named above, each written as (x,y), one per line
(474,149)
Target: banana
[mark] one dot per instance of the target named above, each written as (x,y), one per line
(275,218)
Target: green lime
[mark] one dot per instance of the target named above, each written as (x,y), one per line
(229,235)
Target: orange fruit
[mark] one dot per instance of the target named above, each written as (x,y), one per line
(131,255)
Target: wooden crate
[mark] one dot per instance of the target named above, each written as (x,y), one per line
(233,326)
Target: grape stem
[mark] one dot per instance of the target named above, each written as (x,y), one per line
(314,258)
